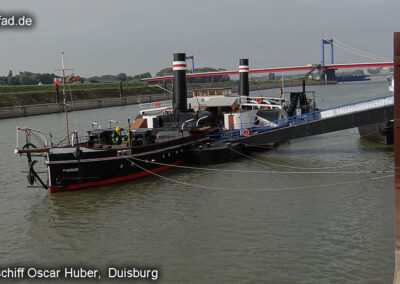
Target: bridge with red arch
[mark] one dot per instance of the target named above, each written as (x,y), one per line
(382,62)
(281,69)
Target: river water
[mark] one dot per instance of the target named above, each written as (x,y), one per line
(229,226)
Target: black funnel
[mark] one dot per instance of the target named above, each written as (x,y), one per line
(243,77)
(180,91)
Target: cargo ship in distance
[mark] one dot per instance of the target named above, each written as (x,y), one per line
(352,78)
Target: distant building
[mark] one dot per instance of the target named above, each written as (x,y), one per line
(385,71)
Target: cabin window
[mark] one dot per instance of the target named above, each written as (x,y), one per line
(226,109)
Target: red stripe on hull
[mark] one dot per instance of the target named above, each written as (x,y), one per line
(112,180)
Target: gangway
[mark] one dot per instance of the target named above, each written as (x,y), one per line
(317,122)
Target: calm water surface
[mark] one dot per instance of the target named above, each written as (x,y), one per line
(283,227)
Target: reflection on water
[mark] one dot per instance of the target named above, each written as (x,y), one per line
(232,228)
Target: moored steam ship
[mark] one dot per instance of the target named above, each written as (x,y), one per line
(117,154)
(205,128)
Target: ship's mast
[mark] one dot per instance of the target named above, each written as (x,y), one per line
(64,94)
(65,97)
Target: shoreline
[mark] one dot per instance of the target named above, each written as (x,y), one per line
(38,109)
(111,97)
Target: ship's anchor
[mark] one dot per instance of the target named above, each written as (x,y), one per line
(27,146)
(32,174)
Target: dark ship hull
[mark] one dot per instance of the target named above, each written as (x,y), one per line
(378,132)
(72,168)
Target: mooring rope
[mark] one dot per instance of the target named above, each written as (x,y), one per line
(258,171)
(294,167)
(257,189)
(255,84)
(197,99)
(283,146)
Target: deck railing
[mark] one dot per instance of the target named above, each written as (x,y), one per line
(304,118)
(155,105)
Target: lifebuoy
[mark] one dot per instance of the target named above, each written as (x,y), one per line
(259,100)
(246,132)
(157,104)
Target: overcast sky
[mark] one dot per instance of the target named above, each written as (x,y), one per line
(112,36)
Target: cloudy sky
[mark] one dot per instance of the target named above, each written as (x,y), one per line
(112,36)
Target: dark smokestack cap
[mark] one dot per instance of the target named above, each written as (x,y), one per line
(179,59)
(244,62)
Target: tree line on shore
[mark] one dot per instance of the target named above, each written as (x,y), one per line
(30,78)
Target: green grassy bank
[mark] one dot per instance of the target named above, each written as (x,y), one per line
(51,88)
(45,94)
